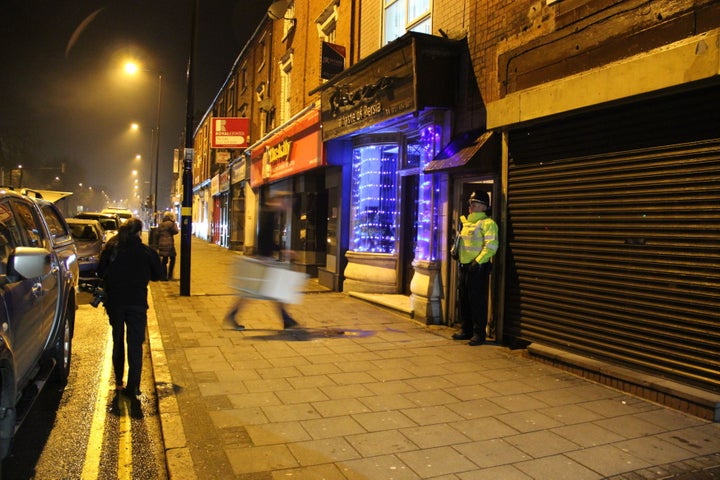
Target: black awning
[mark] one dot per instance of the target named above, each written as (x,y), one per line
(477,150)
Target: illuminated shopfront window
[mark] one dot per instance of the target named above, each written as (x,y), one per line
(420,151)
(374,215)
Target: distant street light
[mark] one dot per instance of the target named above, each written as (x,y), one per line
(20,175)
(131,68)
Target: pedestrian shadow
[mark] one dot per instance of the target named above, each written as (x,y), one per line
(305,334)
(123,406)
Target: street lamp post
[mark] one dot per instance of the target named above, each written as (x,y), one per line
(186,223)
(131,68)
(157,147)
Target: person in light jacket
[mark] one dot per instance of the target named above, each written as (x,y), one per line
(478,242)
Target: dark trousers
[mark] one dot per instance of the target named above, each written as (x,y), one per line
(168,268)
(134,319)
(473,299)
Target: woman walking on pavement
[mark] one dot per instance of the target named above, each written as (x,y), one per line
(126,266)
(166,243)
(266,246)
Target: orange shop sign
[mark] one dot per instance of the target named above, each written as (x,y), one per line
(229,132)
(289,150)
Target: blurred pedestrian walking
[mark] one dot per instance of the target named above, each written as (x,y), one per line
(263,277)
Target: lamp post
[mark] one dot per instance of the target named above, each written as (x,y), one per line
(132,68)
(186,222)
(157,147)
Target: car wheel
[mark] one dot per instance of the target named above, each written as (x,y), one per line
(7,422)
(62,350)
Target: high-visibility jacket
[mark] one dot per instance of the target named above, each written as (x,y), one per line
(478,238)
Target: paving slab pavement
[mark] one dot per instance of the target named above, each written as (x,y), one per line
(362,392)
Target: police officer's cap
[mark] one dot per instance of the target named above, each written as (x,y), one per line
(479,196)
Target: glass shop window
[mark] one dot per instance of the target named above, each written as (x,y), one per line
(427,220)
(420,150)
(374,208)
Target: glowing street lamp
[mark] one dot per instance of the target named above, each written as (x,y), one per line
(132,68)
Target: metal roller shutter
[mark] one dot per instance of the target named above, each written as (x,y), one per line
(615,254)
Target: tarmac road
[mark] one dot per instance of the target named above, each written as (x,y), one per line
(85,430)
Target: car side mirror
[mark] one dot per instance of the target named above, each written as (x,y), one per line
(29,262)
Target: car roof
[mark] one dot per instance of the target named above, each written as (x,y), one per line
(120,212)
(116,209)
(96,214)
(86,221)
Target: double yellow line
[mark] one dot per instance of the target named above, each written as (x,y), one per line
(93,454)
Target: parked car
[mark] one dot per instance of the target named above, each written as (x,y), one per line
(38,276)
(88,235)
(110,222)
(124,213)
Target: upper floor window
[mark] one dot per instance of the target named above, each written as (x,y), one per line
(230,102)
(243,77)
(327,21)
(286,64)
(289,20)
(401,16)
(263,53)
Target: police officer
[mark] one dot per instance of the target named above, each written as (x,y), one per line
(478,242)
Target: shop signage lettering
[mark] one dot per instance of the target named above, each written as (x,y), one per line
(379,91)
(362,113)
(344,99)
(279,152)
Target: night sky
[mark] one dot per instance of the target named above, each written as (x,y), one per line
(65,99)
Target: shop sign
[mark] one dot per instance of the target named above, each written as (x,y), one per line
(279,152)
(215,185)
(224,182)
(414,72)
(295,148)
(332,60)
(379,92)
(229,132)
(238,170)
(222,158)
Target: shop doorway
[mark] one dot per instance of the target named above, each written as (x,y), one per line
(409,231)
(463,188)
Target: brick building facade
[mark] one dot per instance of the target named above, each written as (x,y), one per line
(580,118)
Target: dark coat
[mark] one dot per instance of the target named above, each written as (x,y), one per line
(126,271)
(166,242)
